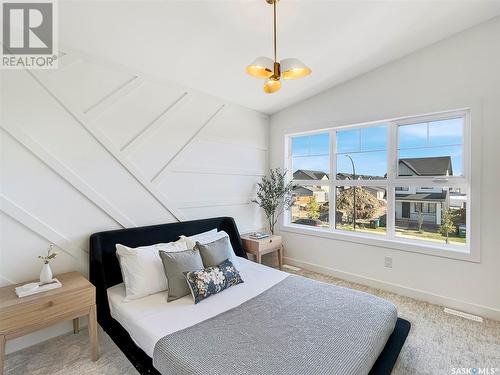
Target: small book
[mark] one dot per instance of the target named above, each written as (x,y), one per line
(258,235)
(35,288)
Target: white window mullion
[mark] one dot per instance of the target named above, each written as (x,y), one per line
(392,171)
(332,178)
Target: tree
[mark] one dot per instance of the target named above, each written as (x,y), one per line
(313,208)
(447,225)
(366,203)
(274,195)
(420,220)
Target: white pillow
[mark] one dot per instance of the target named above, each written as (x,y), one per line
(204,238)
(142,268)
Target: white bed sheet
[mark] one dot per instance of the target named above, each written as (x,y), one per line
(150,318)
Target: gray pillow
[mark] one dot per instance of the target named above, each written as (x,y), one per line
(216,252)
(174,265)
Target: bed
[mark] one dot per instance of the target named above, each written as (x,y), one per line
(156,335)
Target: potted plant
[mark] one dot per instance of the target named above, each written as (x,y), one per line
(46,272)
(274,195)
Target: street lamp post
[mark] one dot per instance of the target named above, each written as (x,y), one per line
(354,193)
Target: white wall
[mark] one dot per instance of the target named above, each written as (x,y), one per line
(459,72)
(91,147)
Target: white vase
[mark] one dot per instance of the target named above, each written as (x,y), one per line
(46,274)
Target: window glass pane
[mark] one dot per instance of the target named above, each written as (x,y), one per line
(311,154)
(437,215)
(361,153)
(446,132)
(348,141)
(367,165)
(370,214)
(431,149)
(310,205)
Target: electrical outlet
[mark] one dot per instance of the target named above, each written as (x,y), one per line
(388,262)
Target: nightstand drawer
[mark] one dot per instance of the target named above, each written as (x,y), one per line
(261,246)
(44,309)
(269,243)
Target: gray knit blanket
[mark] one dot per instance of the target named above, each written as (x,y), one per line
(298,326)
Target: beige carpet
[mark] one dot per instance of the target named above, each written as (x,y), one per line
(437,343)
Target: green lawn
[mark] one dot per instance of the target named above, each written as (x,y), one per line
(408,233)
(348,227)
(432,236)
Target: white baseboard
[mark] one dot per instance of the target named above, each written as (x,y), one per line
(436,299)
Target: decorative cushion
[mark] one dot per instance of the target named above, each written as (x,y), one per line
(214,253)
(212,280)
(142,269)
(204,238)
(175,264)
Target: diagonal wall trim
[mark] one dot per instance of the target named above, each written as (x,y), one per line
(219,171)
(130,145)
(164,168)
(132,85)
(112,93)
(35,225)
(68,175)
(111,149)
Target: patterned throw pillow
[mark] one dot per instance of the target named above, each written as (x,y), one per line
(212,280)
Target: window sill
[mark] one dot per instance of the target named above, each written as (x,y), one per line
(408,245)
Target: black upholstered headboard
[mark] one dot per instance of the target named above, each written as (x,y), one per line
(104,268)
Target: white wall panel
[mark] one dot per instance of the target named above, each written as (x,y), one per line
(136,111)
(219,157)
(38,190)
(186,188)
(57,132)
(84,84)
(19,258)
(239,126)
(173,131)
(248,216)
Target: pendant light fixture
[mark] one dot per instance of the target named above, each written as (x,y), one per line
(272,70)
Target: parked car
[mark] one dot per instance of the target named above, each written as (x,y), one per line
(311,222)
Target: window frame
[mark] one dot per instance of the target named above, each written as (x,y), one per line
(468,252)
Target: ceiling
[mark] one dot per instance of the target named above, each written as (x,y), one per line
(205,45)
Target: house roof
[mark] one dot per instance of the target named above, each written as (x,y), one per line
(422,197)
(348,176)
(307,174)
(433,166)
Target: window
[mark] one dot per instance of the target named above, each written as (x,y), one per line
(403,180)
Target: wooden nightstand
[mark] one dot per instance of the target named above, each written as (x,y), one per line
(19,316)
(263,246)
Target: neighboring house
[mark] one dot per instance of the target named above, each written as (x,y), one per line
(376,191)
(430,201)
(434,166)
(306,174)
(303,194)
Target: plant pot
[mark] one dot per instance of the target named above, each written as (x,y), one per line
(46,274)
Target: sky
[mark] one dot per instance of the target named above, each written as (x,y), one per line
(368,147)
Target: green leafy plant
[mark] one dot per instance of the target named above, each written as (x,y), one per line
(51,254)
(313,208)
(274,195)
(447,225)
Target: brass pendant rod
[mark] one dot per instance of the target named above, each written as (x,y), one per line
(274,8)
